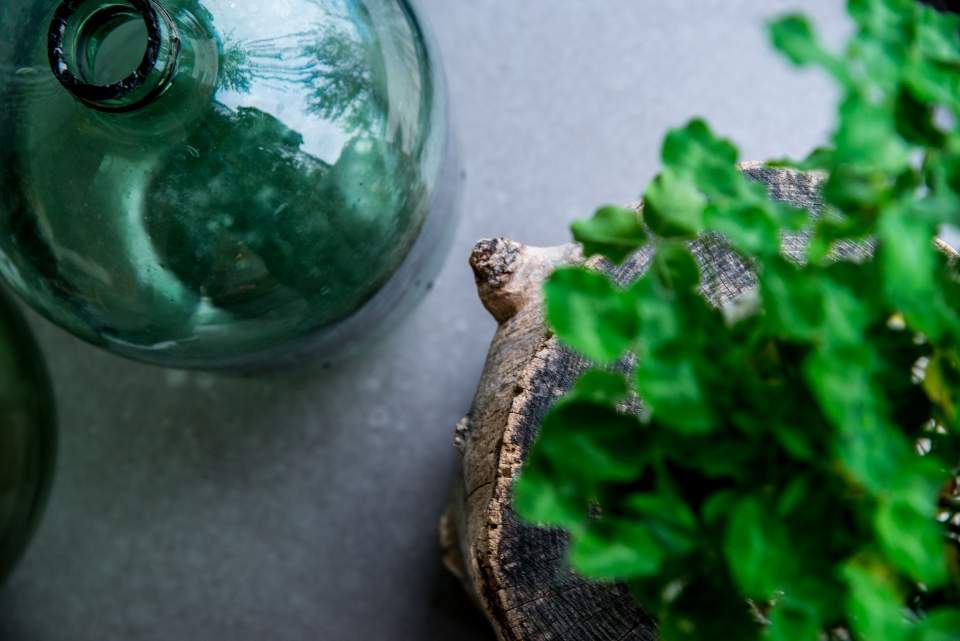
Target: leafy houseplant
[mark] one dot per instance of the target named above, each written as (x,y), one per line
(792,472)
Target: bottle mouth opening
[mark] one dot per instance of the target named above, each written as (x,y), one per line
(92,42)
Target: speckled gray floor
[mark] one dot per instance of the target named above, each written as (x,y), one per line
(299,506)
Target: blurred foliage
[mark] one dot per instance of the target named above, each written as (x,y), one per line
(793,477)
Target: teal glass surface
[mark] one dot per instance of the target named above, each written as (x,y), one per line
(218,183)
(27,435)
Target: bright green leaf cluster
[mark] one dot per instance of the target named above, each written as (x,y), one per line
(801,457)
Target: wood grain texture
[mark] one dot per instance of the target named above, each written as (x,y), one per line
(517,573)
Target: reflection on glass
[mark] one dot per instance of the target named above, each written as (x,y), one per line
(276,183)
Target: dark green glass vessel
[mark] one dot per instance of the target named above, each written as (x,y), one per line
(27,435)
(211,183)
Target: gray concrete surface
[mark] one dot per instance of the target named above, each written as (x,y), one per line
(303,506)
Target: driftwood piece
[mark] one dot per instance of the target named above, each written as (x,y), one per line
(517,573)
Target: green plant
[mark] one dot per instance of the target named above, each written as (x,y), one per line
(791,474)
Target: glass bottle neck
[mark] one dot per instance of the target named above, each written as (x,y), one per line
(80,30)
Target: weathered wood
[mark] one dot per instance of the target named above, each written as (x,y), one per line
(516,572)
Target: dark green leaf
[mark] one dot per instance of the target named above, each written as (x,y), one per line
(719,506)
(910,264)
(549,499)
(757,549)
(793,299)
(793,35)
(940,625)
(794,621)
(676,268)
(624,551)
(694,147)
(749,228)
(600,386)
(869,448)
(793,496)
(594,442)
(668,518)
(708,609)
(590,313)
(913,541)
(867,137)
(661,320)
(876,604)
(665,506)
(819,159)
(673,207)
(885,20)
(669,383)
(613,232)
(915,120)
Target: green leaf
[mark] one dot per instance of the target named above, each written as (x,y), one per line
(867,137)
(708,608)
(620,551)
(915,542)
(797,440)
(580,445)
(668,518)
(910,272)
(858,192)
(590,314)
(694,146)
(719,506)
(793,299)
(694,153)
(667,506)
(673,207)
(613,232)
(600,386)
(848,310)
(669,383)
(794,37)
(794,621)
(936,34)
(918,482)
(594,443)
(876,604)
(906,524)
(915,121)
(548,499)
(793,496)
(660,319)
(884,20)
(757,549)
(676,268)
(819,159)
(749,228)
(842,380)
(940,625)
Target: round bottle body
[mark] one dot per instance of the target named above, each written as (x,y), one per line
(27,435)
(284,185)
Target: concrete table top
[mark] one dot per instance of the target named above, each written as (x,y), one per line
(303,505)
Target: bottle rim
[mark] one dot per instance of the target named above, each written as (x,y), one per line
(106,97)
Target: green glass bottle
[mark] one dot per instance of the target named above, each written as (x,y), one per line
(210,183)
(27,435)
